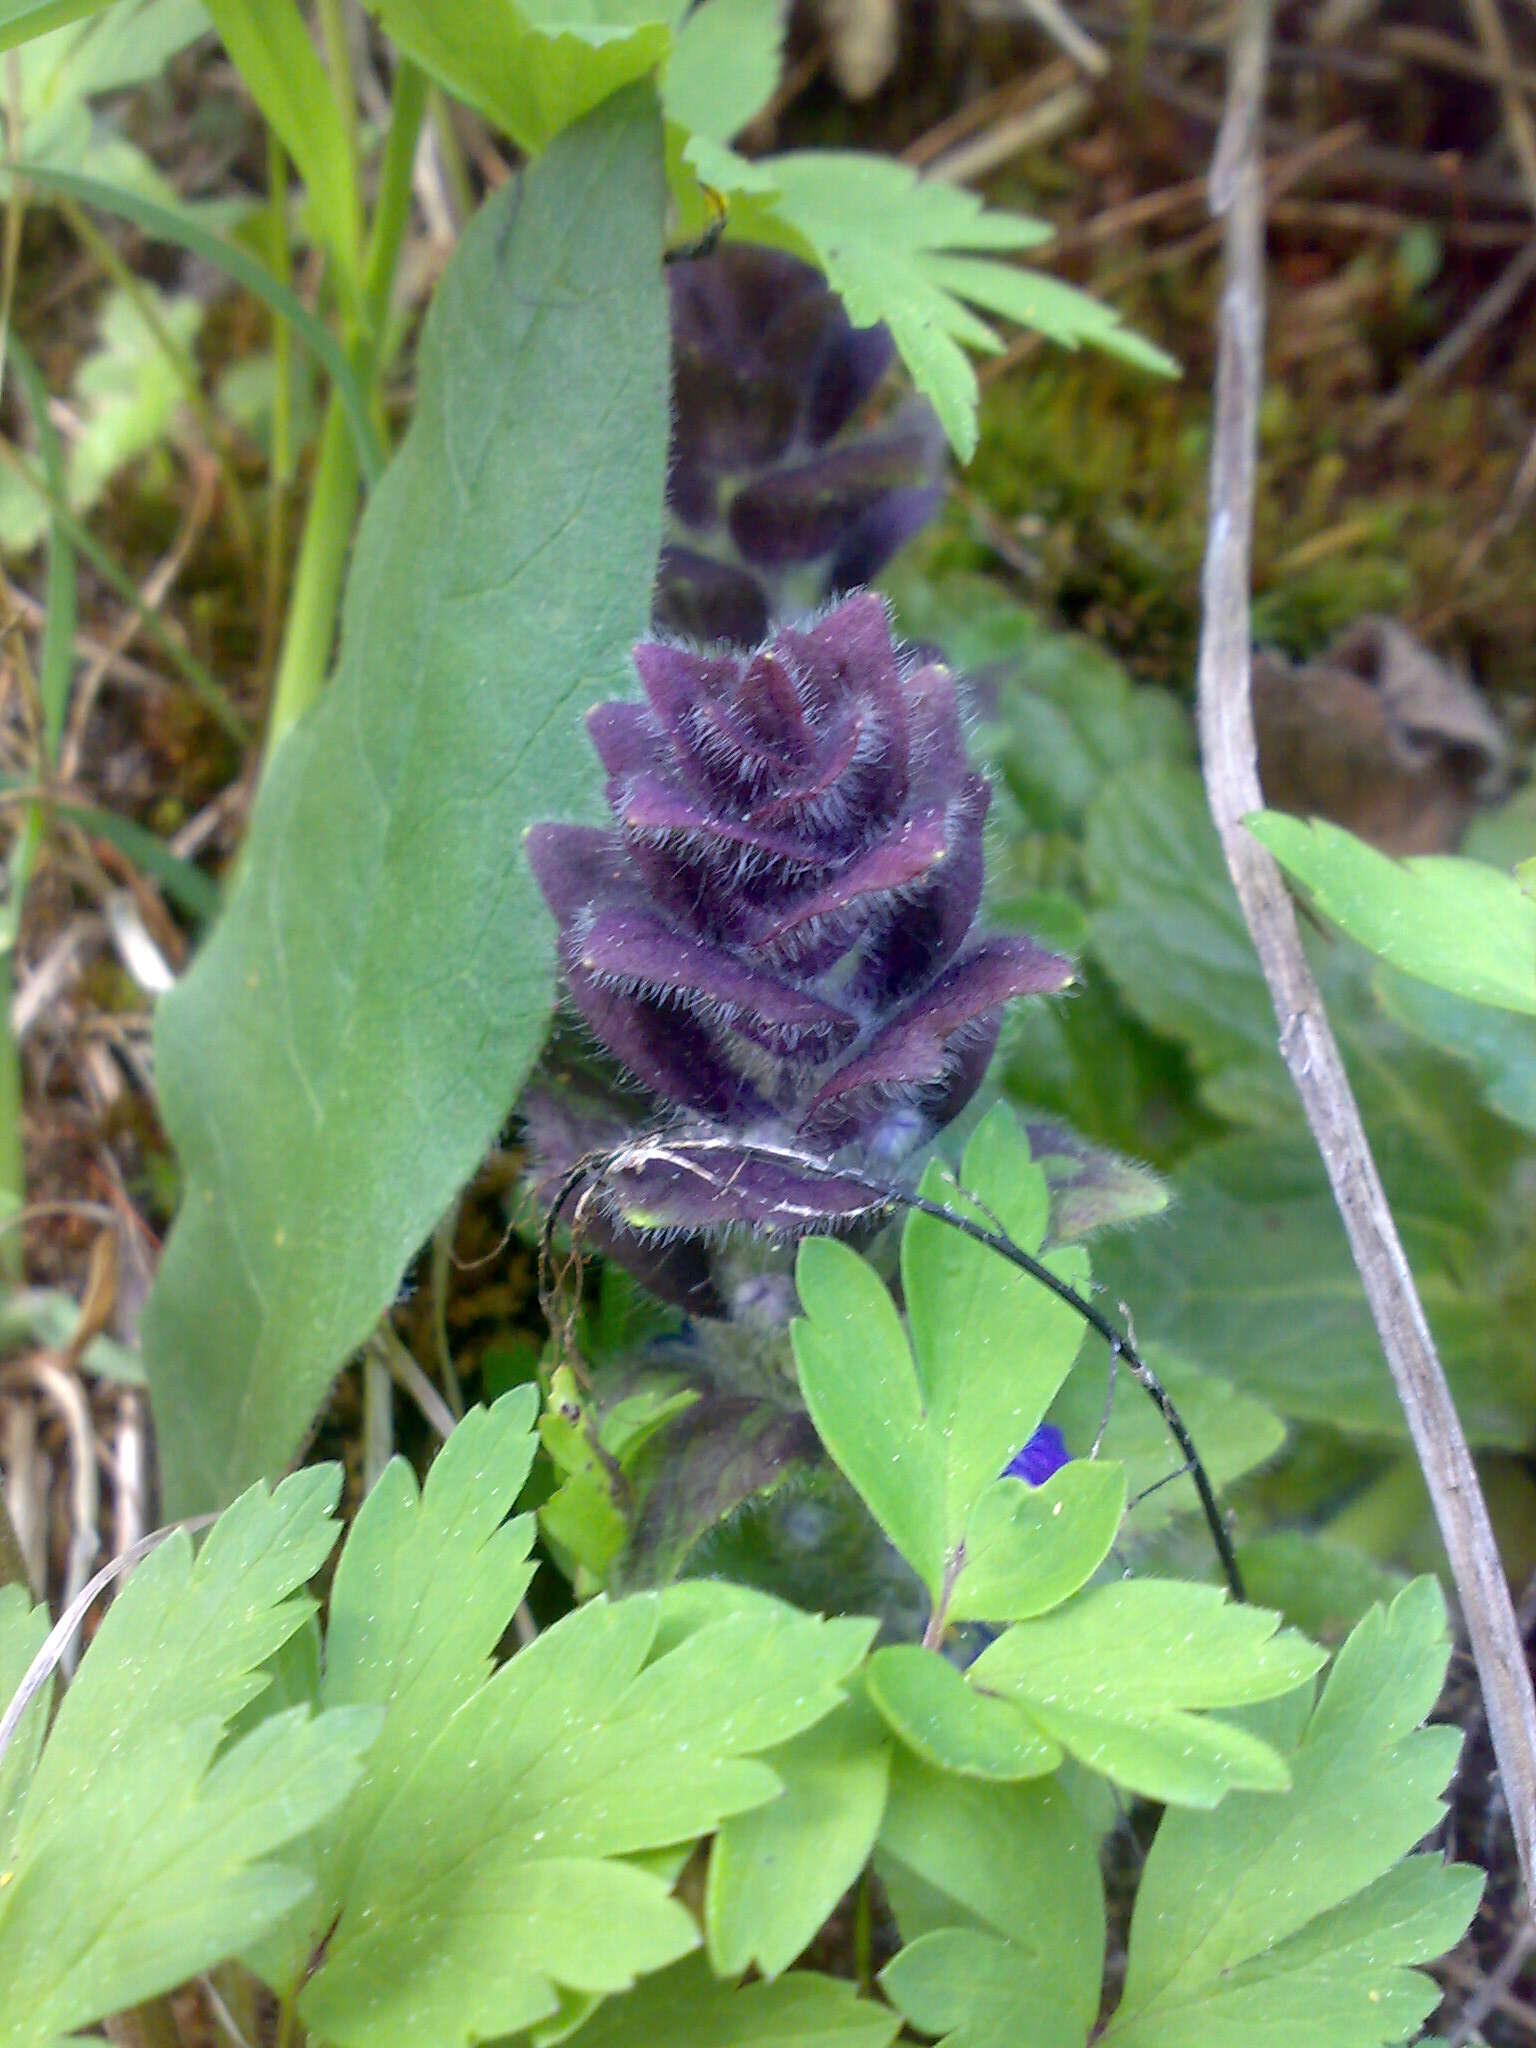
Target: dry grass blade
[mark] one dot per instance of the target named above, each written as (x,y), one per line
(1306,1040)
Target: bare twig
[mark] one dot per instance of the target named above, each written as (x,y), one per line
(62,1634)
(1439,52)
(1494,38)
(1486,313)
(1053,19)
(1306,1041)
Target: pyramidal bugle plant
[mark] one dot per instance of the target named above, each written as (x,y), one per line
(829,1637)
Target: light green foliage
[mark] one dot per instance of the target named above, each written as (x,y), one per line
(68,59)
(684,2004)
(724,65)
(997,1894)
(1028,1548)
(776,1873)
(1455,923)
(496,1872)
(424,1590)
(977,1990)
(533,66)
(140,1849)
(954,1726)
(185,227)
(915,253)
(270,44)
(127,394)
(1251,1273)
(354,1033)
(21,21)
(992,1345)
(919,254)
(1284,1919)
(1121,1678)
(923,1431)
(582,1517)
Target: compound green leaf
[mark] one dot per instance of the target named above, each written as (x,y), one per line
(141,1850)
(182,1642)
(776,1873)
(162,1869)
(1463,926)
(724,66)
(1028,1548)
(686,2004)
(1283,1918)
(355,1031)
(424,1590)
(532,66)
(1011,1861)
(992,1344)
(587,1748)
(977,1990)
(859,1384)
(1123,1676)
(918,254)
(952,1725)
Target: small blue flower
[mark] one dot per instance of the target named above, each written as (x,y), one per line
(1041,1458)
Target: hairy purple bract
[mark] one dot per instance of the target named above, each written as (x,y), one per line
(775,937)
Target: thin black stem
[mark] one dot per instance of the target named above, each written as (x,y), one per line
(597,1166)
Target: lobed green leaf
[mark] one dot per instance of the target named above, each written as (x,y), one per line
(1028,1548)
(776,1873)
(952,1725)
(140,1849)
(922,1432)
(491,1888)
(1283,1917)
(1457,924)
(1123,1676)
(1017,1863)
(686,2004)
(425,1588)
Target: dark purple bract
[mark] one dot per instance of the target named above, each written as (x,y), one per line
(774,938)
(777,498)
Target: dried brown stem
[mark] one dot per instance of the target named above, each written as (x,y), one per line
(1306,1041)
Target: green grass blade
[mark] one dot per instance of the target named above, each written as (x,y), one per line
(175,224)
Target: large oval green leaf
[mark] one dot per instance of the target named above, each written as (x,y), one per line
(359,1025)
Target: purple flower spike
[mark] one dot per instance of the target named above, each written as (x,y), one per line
(1041,1458)
(778,500)
(775,938)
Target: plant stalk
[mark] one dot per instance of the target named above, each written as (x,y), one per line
(1307,1043)
(316,598)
